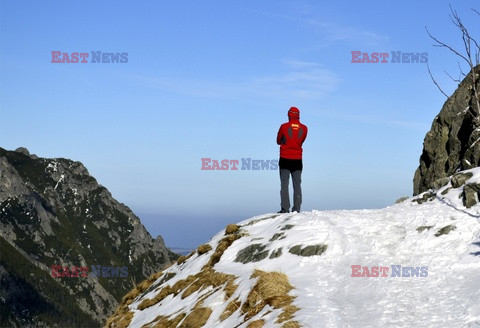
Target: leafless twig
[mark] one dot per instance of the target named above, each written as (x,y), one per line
(470,54)
(435,81)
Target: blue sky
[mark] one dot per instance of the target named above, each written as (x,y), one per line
(215,79)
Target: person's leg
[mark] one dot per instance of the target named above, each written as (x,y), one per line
(297,190)
(284,196)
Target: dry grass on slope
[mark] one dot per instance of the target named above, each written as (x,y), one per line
(123,316)
(271,289)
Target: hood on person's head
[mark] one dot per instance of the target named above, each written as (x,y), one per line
(294,112)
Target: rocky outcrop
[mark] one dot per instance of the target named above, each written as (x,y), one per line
(464,184)
(453,142)
(53,213)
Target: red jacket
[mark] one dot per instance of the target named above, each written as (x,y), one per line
(290,137)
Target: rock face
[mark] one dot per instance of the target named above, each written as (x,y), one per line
(453,142)
(53,213)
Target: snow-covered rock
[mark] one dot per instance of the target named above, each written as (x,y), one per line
(416,263)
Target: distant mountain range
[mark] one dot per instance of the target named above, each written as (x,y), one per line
(69,251)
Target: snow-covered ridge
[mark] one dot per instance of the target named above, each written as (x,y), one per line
(328,269)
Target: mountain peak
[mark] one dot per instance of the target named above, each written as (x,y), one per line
(53,213)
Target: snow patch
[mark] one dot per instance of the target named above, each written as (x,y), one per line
(60,180)
(326,292)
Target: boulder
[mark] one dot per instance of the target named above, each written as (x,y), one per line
(23,150)
(252,253)
(453,142)
(470,194)
(460,178)
(308,250)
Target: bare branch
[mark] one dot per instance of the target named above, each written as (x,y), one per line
(454,80)
(475,43)
(470,54)
(435,81)
(460,69)
(444,45)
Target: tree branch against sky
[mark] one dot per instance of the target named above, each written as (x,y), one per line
(470,54)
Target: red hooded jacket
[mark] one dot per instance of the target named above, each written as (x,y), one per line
(291,136)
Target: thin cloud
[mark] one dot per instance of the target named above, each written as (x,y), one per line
(306,80)
(349,33)
(300,64)
(375,120)
(300,80)
(190,86)
(332,31)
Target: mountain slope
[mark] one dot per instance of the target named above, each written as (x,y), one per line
(295,270)
(53,213)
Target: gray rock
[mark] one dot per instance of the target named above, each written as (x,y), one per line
(401,200)
(12,185)
(279,235)
(445,230)
(460,178)
(252,253)
(287,227)
(276,253)
(308,250)
(252,222)
(428,196)
(423,228)
(452,144)
(439,183)
(470,194)
(444,192)
(23,150)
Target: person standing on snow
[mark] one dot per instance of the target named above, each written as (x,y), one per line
(290,137)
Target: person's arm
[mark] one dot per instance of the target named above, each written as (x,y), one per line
(305,135)
(279,136)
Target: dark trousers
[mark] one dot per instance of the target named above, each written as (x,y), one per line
(293,168)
